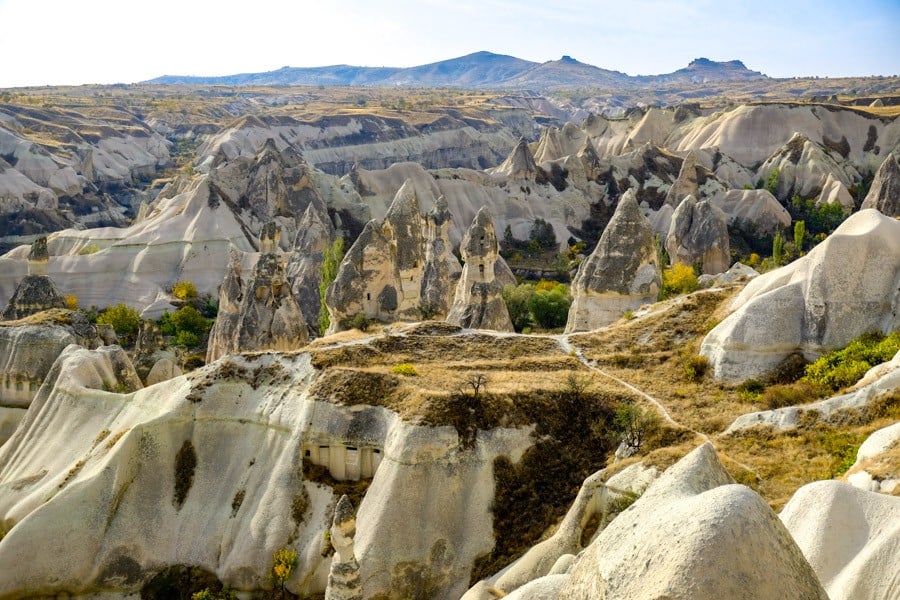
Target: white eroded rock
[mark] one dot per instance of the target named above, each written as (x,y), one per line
(850,537)
(845,286)
(694,534)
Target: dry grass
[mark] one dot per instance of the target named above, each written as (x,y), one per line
(54,316)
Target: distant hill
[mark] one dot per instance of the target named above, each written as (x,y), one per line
(478,70)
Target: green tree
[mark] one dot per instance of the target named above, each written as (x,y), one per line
(799,234)
(772,181)
(333,255)
(185,291)
(517,299)
(550,308)
(124,320)
(778,249)
(542,234)
(635,424)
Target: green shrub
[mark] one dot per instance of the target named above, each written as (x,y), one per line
(789,394)
(550,309)
(694,366)
(184,290)
(750,390)
(188,319)
(187,339)
(358,321)
(331,262)
(678,279)
(405,369)
(124,320)
(517,299)
(842,368)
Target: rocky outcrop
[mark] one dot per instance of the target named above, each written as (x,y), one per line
(850,537)
(304,268)
(267,316)
(152,362)
(695,180)
(880,381)
(343,578)
(835,191)
(397,268)
(884,195)
(698,233)
(36,292)
(845,286)
(519,164)
(597,501)
(753,212)
(441,268)
(877,466)
(621,274)
(737,272)
(693,534)
(197,463)
(478,303)
(802,165)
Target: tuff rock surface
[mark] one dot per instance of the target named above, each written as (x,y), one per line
(845,286)
(698,233)
(884,195)
(478,303)
(620,274)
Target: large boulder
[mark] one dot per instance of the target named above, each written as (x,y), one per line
(844,287)
(479,294)
(698,233)
(850,537)
(884,194)
(621,274)
(694,534)
(753,212)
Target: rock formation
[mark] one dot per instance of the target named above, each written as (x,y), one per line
(397,268)
(304,269)
(36,292)
(441,267)
(478,303)
(835,191)
(698,233)
(753,212)
(876,468)
(519,164)
(850,537)
(621,273)
(737,272)
(845,286)
(343,578)
(884,195)
(263,315)
(152,362)
(802,165)
(693,534)
(693,180)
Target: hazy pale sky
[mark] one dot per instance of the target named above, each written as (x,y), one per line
(125,41)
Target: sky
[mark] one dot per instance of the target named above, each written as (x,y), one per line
(61,42)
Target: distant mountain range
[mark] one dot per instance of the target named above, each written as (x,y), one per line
(480,70)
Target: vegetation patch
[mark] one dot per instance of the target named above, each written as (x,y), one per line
(180,582)
(843,368)
(185,465)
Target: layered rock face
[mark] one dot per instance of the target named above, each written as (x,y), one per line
(699,234)
(36,292)
(621,273)
(478,303)
(396,268)
(849,536)
(263,315)
(209,470)
(845,286)
(693,534)
(802,167)
(884,195)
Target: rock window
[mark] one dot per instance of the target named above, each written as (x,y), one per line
(481,269)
